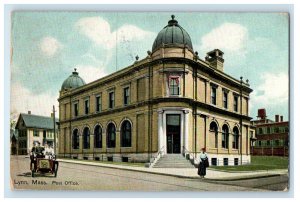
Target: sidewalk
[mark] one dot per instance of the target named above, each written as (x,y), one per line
(211,174)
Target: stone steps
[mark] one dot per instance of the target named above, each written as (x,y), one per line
(173,161)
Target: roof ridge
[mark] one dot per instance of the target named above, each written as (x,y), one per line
(36,115)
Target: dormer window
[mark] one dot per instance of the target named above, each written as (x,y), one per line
(174,85)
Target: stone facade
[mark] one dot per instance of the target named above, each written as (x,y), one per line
(169,83)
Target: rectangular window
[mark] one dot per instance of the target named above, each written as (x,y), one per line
(225,161)
(36,133)
(235,103)
(86,106)
(111,100)
(213,95)
(126,96)
(76,109)
(98,104)
(124,159)
(174,85)
(236,161)
(225,99)
(213,161)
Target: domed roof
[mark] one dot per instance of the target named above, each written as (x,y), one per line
(73,81)
(173,34)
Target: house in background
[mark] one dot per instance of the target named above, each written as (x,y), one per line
(33,129)
(272,136)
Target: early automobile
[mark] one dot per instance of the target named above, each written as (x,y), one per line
(39,163)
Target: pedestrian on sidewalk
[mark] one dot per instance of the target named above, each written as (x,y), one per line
(203,163)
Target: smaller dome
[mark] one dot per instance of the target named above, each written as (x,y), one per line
(73,81)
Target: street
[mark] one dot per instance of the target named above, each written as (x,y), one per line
(84,177)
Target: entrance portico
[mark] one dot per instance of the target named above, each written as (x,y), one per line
(173,129)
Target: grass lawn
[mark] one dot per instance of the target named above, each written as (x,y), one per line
(112,163)
(259,163)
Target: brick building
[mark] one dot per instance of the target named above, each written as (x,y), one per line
(171,102)
(272,136)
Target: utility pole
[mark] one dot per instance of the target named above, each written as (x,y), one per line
(241,119)
(54,124)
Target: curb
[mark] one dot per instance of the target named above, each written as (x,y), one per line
(229,171)
(244,178)
(128,169)
(180,176)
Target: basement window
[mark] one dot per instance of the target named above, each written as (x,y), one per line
(214,161)
(236,161)
(225,161)
(124,159)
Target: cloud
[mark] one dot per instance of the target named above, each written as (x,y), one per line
(23,100)
(90,73)
(98,30)
(49,46)
(228,37)
(273,91)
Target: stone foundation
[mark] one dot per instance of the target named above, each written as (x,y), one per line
(130,157)
(226,159)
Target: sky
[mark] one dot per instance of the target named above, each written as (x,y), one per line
(47,46)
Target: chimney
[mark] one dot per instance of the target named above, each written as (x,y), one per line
(261,113)
(276,118)
(29,112)
(215,59)
(281,118)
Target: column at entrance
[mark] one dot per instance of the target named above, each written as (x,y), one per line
(160,131)
(186,129)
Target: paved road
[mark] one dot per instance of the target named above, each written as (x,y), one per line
(83,177)
(277,183)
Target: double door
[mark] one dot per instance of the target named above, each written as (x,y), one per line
(173,143)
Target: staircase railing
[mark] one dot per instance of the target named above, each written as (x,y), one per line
(157,156)
(189,155)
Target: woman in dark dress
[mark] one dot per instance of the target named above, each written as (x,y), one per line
(202,164)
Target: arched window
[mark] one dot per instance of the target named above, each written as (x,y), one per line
(225,136)
(235,142)
(111,136)
(98,137)
(75,139)
(126,134)
(214,128)
(86,138)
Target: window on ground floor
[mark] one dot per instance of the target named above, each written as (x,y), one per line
(225,136)
(111,136)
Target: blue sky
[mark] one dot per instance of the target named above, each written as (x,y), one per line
(47,46)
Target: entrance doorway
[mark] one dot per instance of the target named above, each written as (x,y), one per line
(173,133)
